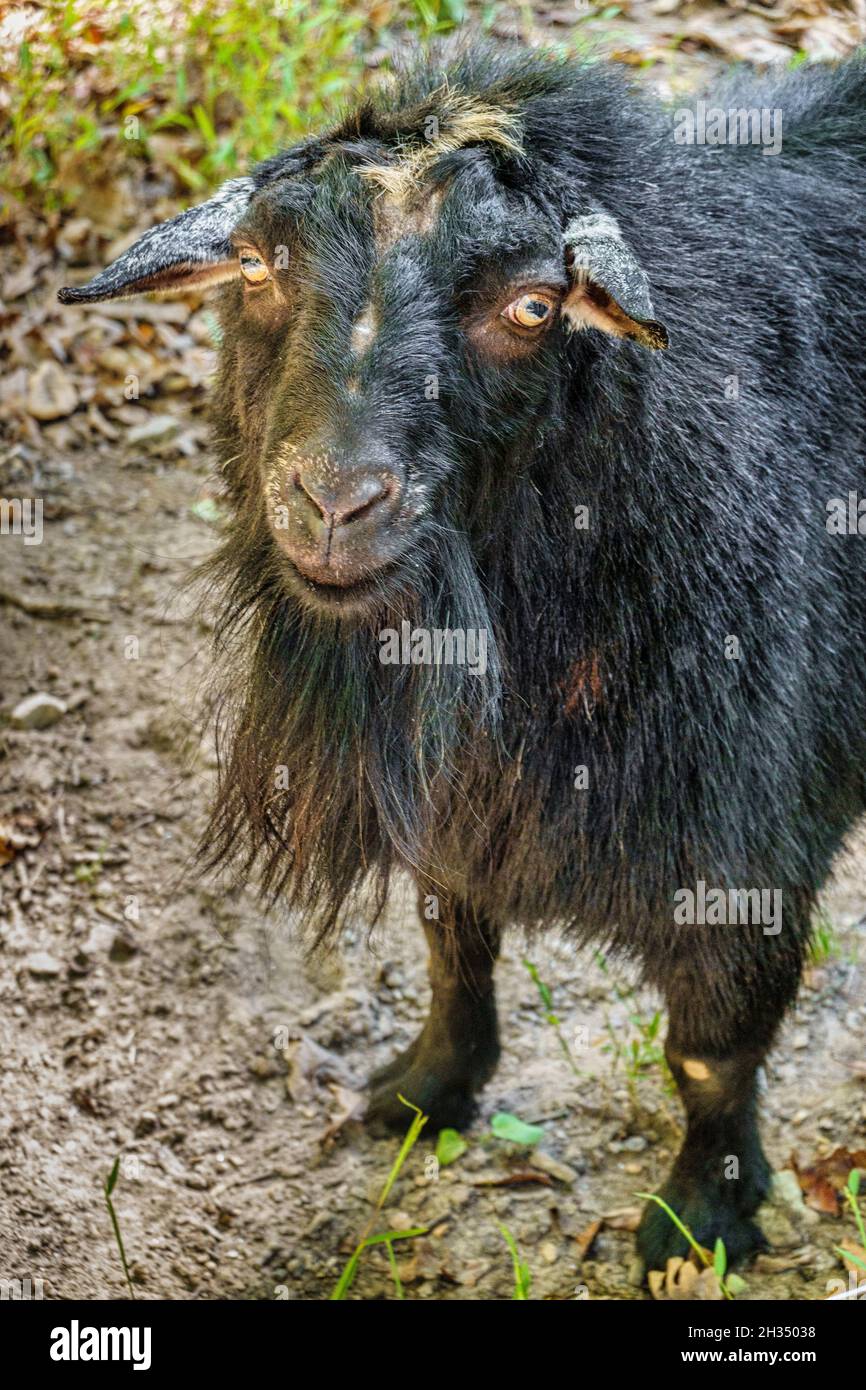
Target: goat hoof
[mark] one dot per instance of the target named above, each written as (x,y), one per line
(448,1107)
(445,1094)
(709,1215)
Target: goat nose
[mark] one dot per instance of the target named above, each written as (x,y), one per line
(347,502)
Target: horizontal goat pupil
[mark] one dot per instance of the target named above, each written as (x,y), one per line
(536,308)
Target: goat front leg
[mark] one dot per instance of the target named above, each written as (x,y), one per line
(722,1021)
(458,1047)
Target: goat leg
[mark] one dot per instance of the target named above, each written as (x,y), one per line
(722,1021)
(457,1049)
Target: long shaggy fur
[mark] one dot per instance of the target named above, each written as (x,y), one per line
(707,520)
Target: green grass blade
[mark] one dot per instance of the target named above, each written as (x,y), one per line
(522,1278)
(110,1183)
(344,1283)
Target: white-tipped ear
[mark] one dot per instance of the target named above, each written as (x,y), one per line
(609,289)
(193,248)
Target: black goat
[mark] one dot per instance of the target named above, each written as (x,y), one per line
(659,742)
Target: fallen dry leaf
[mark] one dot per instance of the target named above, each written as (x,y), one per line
(17,833)
(517,1178)
(51,393)
(623,1218)
(791,1259)
(825,1179)
(736,36)
(21,281)
(585,1238)
(683,1281)
(851,1245)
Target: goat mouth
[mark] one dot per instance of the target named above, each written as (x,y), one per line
(340,598)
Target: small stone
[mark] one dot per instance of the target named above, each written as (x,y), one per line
(635,1271)
(123,947)
(470,1271)
(37,711)
(99,939)
(800,1041)
(785,1189)
(552,1166)
(51,393)
(264,1067)
(549,1252)
(636,1143)
(43,964)
(155,430)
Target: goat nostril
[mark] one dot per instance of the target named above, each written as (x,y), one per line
(300,486)
(340,509)
(360,509)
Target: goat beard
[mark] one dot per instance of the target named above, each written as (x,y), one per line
(334,769)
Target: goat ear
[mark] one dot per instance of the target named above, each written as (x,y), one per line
(609,289)
(193,248)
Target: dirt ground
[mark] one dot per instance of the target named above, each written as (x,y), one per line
(153,1016)
(150,1016)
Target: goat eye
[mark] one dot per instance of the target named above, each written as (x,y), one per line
(253,268)
(529,311)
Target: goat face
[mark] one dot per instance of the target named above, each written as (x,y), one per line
(393,338)
(381,356)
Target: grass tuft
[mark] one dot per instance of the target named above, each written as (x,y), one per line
(385,1238)
(195,91)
